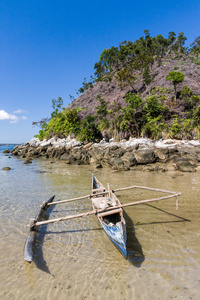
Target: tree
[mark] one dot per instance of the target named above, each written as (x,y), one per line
(102,109)
(89,130)
(57,106)
(195,47)
(43,125)
(176,78)
(131,118)
(171,37)
(181,41)
(147,76)
(108,60)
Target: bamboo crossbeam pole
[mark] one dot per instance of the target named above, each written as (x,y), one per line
(79,198)
(69,200)
(92,212)
(145,188)
(150,200)
(116,190)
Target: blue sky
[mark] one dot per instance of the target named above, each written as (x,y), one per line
(48,47)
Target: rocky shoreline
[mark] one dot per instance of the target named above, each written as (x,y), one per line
(162,155)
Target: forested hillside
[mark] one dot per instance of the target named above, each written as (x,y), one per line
(149,88)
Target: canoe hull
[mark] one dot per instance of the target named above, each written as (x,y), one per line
(117,235)
(116,231)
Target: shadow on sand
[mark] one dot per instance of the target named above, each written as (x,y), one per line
(134,248)
(39,258)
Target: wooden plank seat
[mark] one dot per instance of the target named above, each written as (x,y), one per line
(94,191)
(110,212)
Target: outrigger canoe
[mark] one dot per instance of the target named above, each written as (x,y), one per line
(112,221)
(106,206)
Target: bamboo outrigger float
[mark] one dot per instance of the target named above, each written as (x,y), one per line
(106,206)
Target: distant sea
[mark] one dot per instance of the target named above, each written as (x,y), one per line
(6,146)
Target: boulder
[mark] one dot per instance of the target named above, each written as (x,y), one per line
(6,151)
(77,153)
(6,168)
(96,152)
(129,159)
(156,167)
(28,161)
(35,142)
(148,168)
(189,152)
(182,164)
(67,158)
(113,151)
(98,166)
(87,145)
(144,156)
(117,164)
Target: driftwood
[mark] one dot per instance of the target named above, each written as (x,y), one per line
(92,212)
(30,241)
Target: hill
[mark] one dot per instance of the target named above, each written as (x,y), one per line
(114,94)
(147,88)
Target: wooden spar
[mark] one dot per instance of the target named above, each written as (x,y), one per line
(68,200)
(79,198)
(107,192)
(143,187)
(92,212)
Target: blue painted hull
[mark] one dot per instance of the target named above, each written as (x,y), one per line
(117,235)
(116,232)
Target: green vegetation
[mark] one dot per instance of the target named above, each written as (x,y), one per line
(156,116)
(176,78)
(130,57)
(67,122)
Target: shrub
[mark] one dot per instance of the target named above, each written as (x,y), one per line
(175,128)
(89,130)
(176,78)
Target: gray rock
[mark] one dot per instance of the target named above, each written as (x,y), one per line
(117,164)
(98,166)
(67,158)
(156,167)
(144,156)
(182,164)
(129,159)
(6,168)
(28,161)
(6,151)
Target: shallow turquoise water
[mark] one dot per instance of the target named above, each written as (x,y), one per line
(75,259)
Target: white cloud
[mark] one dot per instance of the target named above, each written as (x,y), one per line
(6,116)
(20,111)
(11,117)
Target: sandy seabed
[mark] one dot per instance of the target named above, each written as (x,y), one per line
(75,259)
